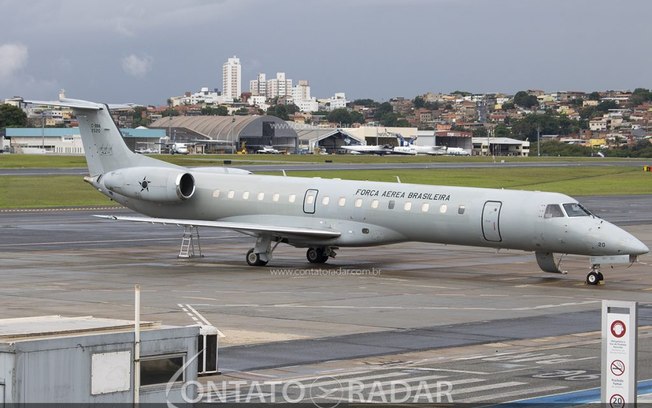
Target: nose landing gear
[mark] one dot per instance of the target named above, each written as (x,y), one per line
(595,276)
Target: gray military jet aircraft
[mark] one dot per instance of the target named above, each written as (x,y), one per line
(324,215)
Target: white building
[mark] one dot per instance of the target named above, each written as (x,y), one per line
(500,146)
(258,87)
(259,101)
(310,105)
(302,98)
(279,86)
(336,101)
(301,91)
(232,78)
(204,96)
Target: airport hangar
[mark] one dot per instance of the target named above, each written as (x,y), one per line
(68,140)
(227,134)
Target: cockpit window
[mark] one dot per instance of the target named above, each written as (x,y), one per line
(576,210)
(553,211)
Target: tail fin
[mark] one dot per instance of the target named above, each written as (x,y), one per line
(103,144)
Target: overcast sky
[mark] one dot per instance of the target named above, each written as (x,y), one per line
(145,51)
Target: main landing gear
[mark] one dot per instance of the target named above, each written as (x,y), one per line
(595,276)
(319,255)
(254,259)
(262,252)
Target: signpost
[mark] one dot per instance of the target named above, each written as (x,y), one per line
(619,334)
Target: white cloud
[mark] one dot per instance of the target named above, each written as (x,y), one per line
(137,66)
(13,57)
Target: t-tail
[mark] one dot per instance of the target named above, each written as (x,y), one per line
(104,146)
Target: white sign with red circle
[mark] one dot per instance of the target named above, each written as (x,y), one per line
(619,353)
(618,329)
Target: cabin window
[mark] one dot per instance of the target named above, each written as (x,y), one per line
(425,207)
(391,204)
(325,200)
(553,211)
(576,210)
(293,198)
(216,194)
(245,195)
(275,197)
(358,203)
(231,194)
(309,199)
(261,196)
(443,208)
(461,209)
(374,204)
(407,206)
(341,202)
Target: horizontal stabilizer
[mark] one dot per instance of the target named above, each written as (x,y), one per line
(236,226)
(69,103)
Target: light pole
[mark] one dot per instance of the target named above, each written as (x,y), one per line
(538,141)
(43,131)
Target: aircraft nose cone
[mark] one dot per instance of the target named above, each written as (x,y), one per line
(629,244)
(617,241)
(635,247)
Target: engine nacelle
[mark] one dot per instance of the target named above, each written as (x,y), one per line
(150,183)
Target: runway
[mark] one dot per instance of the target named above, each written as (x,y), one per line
(490,323)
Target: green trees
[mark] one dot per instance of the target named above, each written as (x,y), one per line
(140,117)
(220,110)
(418,102)
(556,148)
(344,117)
(639,96)
(525,100)
(11,116)
(547,124)
(502,131)
(282,111)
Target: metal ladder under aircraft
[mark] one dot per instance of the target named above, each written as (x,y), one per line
(187,250)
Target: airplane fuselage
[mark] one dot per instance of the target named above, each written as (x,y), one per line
(377,213)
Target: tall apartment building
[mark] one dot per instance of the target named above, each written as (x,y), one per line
(301,91)
(302,98)
(258,87)
(232,78)
(280,86)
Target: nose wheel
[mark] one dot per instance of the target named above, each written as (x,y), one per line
(595,276)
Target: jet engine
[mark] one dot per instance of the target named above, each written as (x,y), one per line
(150,183)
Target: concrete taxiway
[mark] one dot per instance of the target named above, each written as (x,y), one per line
(482,320)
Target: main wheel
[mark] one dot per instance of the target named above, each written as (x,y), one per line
(317,255)
(253,259)
(592,278)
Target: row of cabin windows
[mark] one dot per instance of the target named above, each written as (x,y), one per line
(325,201)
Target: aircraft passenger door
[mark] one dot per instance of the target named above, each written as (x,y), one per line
(309,201)
(491,221)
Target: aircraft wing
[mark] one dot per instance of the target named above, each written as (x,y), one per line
(243,227)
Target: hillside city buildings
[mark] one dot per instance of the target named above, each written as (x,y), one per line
(473,122)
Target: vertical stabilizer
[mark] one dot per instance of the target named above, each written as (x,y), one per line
(104,146)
